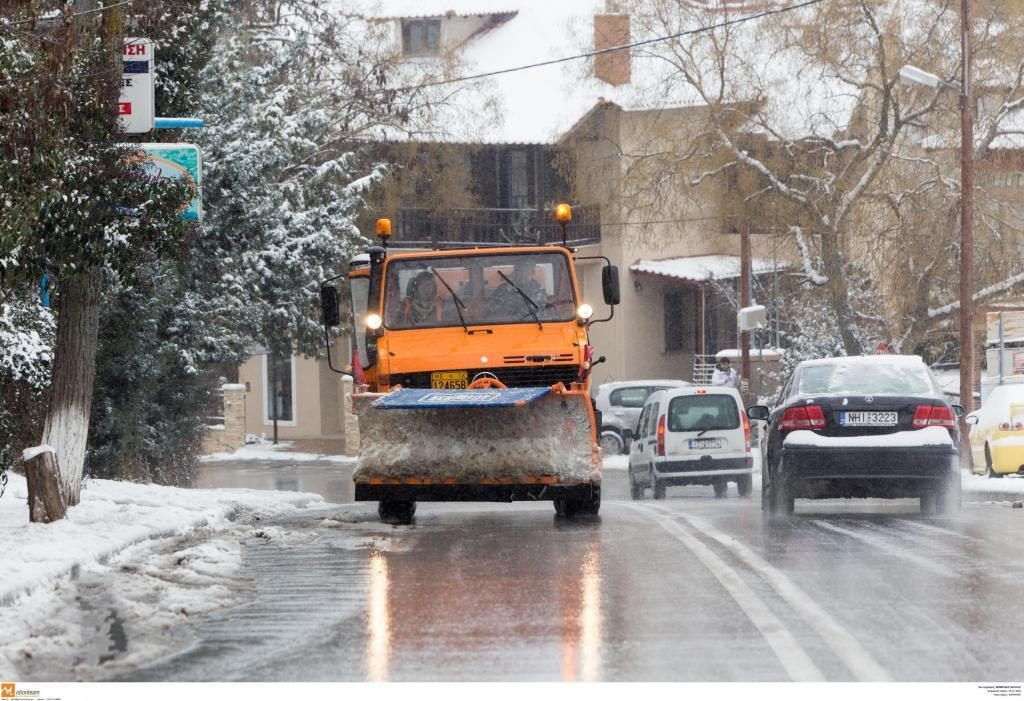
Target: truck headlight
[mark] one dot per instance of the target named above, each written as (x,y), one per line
(373,321)
(585,311)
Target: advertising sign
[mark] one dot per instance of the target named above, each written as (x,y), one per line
(176,161)
(135,106)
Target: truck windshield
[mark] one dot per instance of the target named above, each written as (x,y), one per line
(505,288)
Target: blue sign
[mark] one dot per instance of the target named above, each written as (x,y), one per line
(460,398)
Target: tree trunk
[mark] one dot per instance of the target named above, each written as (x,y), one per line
(832,262)
(74,372)
(45,499)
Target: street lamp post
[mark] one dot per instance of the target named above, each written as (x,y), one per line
(911,74)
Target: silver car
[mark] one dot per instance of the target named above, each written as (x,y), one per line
(620,404)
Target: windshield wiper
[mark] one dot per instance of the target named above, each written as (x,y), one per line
(530,304)
(458,302)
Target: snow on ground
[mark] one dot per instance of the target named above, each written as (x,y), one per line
(113,516)
(269,451)
(1011,485)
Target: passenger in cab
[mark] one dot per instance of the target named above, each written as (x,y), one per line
(421,306)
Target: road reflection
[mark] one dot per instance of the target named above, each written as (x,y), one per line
(378,621)
(535,610)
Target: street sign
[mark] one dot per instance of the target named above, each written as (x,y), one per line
(135,106)
(176,161)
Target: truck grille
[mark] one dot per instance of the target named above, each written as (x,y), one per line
(530,376)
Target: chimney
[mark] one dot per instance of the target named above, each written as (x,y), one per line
(611,30)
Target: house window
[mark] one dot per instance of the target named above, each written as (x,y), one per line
(421,37)
(279,379)
(680,304)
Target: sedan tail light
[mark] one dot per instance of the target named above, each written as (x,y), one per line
(661,436)
(798,417)
(928,415)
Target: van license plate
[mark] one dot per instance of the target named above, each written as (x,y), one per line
(451,379)
(705,443)
(867,418)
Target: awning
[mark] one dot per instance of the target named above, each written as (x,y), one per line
(704,268)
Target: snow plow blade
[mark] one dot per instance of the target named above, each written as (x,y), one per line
(476,445)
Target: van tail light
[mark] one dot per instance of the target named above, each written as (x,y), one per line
(661,436)
(746,431)
(1004,426)
(803,417)
(928,415)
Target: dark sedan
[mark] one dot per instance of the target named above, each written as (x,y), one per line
(871,426)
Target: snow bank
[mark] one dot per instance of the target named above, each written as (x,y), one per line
(272,452)
(933,436)
(112,516)
(33,453)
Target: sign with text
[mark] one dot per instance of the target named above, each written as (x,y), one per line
(177,161)
(135,106)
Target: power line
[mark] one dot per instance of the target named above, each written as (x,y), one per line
(598,52)
(95,10)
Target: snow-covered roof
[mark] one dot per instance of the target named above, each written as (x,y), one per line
(704,268)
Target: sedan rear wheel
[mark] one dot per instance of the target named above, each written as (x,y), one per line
(780,497)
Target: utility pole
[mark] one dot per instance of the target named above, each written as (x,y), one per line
(745,302)
(966,213)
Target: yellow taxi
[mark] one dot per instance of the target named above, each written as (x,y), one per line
(997,433)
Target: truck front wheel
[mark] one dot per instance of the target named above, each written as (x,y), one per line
(396,511)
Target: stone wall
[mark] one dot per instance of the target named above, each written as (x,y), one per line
(231,436)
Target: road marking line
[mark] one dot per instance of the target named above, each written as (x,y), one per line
(888,548)
(795,660)
(847,648)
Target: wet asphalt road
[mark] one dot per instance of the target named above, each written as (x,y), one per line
(688,589)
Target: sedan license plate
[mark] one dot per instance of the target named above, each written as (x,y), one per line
(450,379)
(705,443)
(867,418)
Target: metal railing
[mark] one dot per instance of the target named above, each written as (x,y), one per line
(423,228)
(703,369)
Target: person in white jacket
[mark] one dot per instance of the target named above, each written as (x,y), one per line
(724,375)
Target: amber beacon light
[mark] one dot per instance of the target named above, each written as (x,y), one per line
(563,215)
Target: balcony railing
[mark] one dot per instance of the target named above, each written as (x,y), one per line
(422,228)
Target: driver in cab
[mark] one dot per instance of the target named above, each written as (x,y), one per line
(421,306)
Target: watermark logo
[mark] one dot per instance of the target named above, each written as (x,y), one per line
(6,690)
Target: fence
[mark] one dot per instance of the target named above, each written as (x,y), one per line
(423,228)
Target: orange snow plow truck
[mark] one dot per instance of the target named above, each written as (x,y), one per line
(472,375)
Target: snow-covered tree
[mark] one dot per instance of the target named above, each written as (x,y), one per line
(78,204)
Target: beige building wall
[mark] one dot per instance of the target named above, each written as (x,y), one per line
(317,399)
(675,221)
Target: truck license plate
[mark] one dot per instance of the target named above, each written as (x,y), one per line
(867,418)
(449,379)
(705,443)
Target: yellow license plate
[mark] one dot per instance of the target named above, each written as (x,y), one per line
(455,379)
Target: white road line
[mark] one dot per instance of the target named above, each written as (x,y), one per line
(887,547)
(858,660)
(795,660)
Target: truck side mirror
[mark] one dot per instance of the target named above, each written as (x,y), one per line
(329,305)
(610,284)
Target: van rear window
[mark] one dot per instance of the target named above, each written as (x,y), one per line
(703,412)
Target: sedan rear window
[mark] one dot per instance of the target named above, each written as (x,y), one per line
(864,378)
(703,412)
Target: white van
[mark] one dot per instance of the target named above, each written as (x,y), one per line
(691,435)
